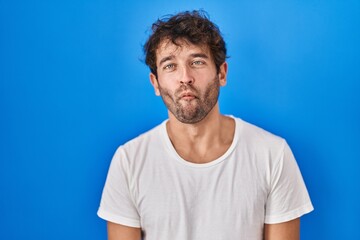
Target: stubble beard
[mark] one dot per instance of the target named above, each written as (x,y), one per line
(194,110)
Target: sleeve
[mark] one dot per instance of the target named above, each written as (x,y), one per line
(288,198)
(117,204)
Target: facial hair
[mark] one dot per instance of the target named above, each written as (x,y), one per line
(194,110)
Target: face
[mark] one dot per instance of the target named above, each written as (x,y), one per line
(187,80)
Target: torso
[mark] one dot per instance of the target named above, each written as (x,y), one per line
(220,199)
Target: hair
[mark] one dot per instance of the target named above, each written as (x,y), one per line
(192,26)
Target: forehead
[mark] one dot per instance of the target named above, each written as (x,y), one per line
(181,48)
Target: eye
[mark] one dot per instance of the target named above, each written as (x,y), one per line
(169,66)
(197,62)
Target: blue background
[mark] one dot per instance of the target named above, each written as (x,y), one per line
(73,87)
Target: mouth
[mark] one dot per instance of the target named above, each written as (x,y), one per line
(187,96)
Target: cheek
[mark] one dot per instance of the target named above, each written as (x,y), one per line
(165,92)
(167,84)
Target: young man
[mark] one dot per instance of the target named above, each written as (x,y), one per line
(200,175)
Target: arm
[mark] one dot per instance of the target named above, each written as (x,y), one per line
(121,232)
(283,231)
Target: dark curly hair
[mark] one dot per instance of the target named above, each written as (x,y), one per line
(191,26)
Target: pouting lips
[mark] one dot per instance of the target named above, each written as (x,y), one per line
(187,96)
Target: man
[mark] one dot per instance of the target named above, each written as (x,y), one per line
(200,175)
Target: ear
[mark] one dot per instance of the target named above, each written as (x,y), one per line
(154,83)
(223,73)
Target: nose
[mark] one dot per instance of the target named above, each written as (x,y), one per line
(186,77)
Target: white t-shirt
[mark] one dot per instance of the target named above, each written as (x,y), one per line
(256,181)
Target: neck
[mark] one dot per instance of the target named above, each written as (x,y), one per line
(193,131)
(203,141)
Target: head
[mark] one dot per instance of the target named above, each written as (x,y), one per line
(186,55)
(193,27)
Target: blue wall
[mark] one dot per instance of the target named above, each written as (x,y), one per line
(72,88)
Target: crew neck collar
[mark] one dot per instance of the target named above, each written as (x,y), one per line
(220,159)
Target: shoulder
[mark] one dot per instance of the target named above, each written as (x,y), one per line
(251,133)
(258,141)
(140,154)
(145,139)
(141,146)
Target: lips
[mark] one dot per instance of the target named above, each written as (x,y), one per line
(187,96)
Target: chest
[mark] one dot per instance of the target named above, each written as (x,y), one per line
(214,198)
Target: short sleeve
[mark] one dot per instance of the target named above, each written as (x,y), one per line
(117,204)
(288,198)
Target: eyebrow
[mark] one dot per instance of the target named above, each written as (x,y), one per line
(168,58)
(194,55)
(200,55)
